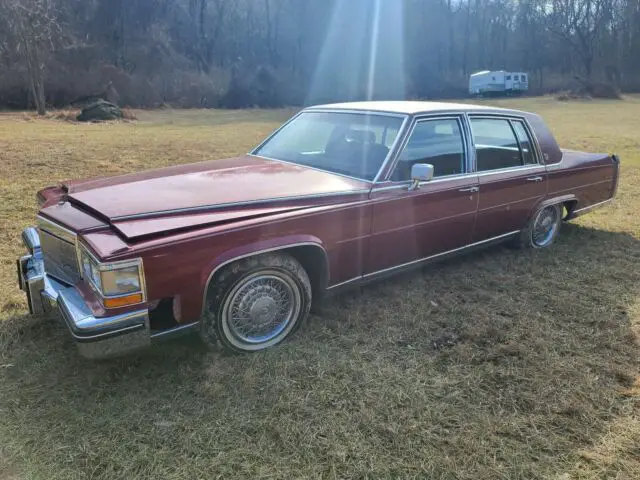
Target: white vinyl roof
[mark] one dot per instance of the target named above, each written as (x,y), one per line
(404,107)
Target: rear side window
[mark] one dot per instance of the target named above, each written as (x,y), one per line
(526,147)
(438,142)
(496,144)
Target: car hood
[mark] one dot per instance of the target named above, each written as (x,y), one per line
(209,192)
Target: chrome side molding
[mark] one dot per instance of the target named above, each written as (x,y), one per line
(582,211)
(422,261)
(175,331)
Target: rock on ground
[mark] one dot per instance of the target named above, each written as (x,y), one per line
(100,110)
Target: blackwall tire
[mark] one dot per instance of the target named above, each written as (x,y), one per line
(256,303)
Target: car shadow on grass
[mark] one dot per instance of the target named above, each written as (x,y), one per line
(499,363)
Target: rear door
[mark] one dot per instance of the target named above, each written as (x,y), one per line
(411,225)
(511,177)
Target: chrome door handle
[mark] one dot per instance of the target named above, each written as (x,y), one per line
(534,179)
(470,189)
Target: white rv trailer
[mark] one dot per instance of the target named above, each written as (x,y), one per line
(498,82)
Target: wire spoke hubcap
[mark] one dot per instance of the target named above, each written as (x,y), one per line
(545,227)
(261,309)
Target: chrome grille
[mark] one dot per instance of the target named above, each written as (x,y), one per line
(59,252)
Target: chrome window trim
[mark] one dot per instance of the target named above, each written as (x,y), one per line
(272,134)
(532,139)
(471,149)
(254,151)
(556,164)
(508,117)
(511,169)
(380,187)
(356,111)
(219,206)
(259,252)
(407,136)
(394,150)
(110,266)
(517,149)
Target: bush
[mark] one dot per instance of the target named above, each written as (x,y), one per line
(586,90)
(567,95)
(603,90)
(261,87)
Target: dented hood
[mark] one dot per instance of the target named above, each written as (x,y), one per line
(206,193)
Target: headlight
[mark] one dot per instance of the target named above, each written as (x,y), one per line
(118,283)
(90,270)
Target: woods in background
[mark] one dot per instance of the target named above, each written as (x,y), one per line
(238,53)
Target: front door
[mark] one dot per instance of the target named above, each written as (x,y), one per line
(512,181)
(411,225)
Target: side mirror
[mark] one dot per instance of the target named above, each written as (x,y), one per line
(420,172)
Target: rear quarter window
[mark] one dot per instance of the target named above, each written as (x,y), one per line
(496,144)
(526,145)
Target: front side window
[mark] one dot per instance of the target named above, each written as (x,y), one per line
(501,143)
(353,144)
(516,77)
(438,142)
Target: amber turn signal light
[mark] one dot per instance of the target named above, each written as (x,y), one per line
(122,301)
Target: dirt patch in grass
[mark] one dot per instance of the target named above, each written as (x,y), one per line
(500,364)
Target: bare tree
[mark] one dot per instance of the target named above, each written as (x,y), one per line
(579,24)
(35,31)
(186,49)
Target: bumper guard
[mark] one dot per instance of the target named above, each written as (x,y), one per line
(96,337)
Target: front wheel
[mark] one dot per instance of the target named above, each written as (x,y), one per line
(256,303)
(542,229)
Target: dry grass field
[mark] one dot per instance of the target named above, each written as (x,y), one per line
(498,365)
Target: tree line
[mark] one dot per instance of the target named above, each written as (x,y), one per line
(237,53)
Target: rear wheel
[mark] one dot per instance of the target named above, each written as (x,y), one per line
(542,229)
(256,303)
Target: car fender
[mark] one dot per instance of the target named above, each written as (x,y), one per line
(264,246)
(546,202)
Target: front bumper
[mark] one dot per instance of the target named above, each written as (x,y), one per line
(96,337)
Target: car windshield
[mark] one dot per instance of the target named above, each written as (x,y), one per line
(353,144)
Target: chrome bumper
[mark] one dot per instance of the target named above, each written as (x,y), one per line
(96,337)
